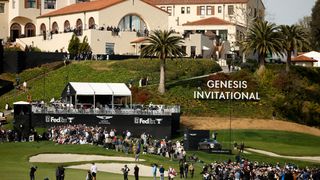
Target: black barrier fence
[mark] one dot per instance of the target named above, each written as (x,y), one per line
(5,86)
(160,126)
(17,61)
(1,56)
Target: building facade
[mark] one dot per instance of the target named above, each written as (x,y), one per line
(210,27)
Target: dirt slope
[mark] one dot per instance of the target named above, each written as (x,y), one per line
(215,123)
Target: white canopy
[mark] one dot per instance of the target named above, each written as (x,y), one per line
(119,89)
(82,88)
(313,54)
(115,89)
(21,103)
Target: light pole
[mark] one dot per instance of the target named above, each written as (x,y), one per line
(68,96)
(44,84)
(16,87)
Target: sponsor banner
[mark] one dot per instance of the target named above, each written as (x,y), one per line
(157,125)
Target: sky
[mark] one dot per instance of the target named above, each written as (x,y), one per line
(287,11)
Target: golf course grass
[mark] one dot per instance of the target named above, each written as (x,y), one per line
(15,155)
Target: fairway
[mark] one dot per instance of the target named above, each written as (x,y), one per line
(15,156)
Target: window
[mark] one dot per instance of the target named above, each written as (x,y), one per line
(202,10)
(30,30)
(182,10)
(169,10)
(79,1)
(219,9)
(109,48)
(30,4)
(230,10)
(223,35)
(209,10)
(188,10)
(132,22)
(92,24)
(66,26)
(163,7)
(49,4)
(1,7)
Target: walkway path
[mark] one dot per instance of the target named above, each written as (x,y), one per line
(302,158)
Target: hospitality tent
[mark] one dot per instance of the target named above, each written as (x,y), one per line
(79,92)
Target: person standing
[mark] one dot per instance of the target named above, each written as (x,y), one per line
(181,170)
(161,170)
(62,175)
(33,170)
(186,170)
(191,169)
(89,176)
(154,171)
(125,171)
(58,173)
(137,152)
(93,171)
(136,172)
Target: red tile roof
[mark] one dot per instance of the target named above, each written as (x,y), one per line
(139,40)
(83,7)
(303,58)
(162,2)
(208,22)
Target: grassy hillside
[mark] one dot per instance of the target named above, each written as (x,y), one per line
(294,96)
(45,83)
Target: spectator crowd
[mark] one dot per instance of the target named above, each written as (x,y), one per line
(126,142)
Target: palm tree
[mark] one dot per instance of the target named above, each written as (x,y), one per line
(163,44)
(294,37)
(263,39)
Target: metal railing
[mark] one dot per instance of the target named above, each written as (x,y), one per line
(153,110)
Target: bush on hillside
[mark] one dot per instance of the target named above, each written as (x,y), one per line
(298,99)
(250,65)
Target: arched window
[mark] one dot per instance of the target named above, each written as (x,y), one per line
(67,26)
(55,28)
(132,22)
(15,31)
(43,29)
(29,30)
(79,27)
(92,24)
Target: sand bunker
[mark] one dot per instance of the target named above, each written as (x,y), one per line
(302,158)
(116,168)
(64,158)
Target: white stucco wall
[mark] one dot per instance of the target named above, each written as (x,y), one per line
(4,21)
(72,18)
(153,17)
(304,64)
(241,11)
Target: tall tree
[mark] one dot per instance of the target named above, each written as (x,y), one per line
(263,39)
(315,25)
(84,48)
(73,46)
(294,38)
(163,44)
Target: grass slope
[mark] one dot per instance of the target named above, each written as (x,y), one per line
(15,156)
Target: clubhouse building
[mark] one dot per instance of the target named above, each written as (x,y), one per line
(211,28)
